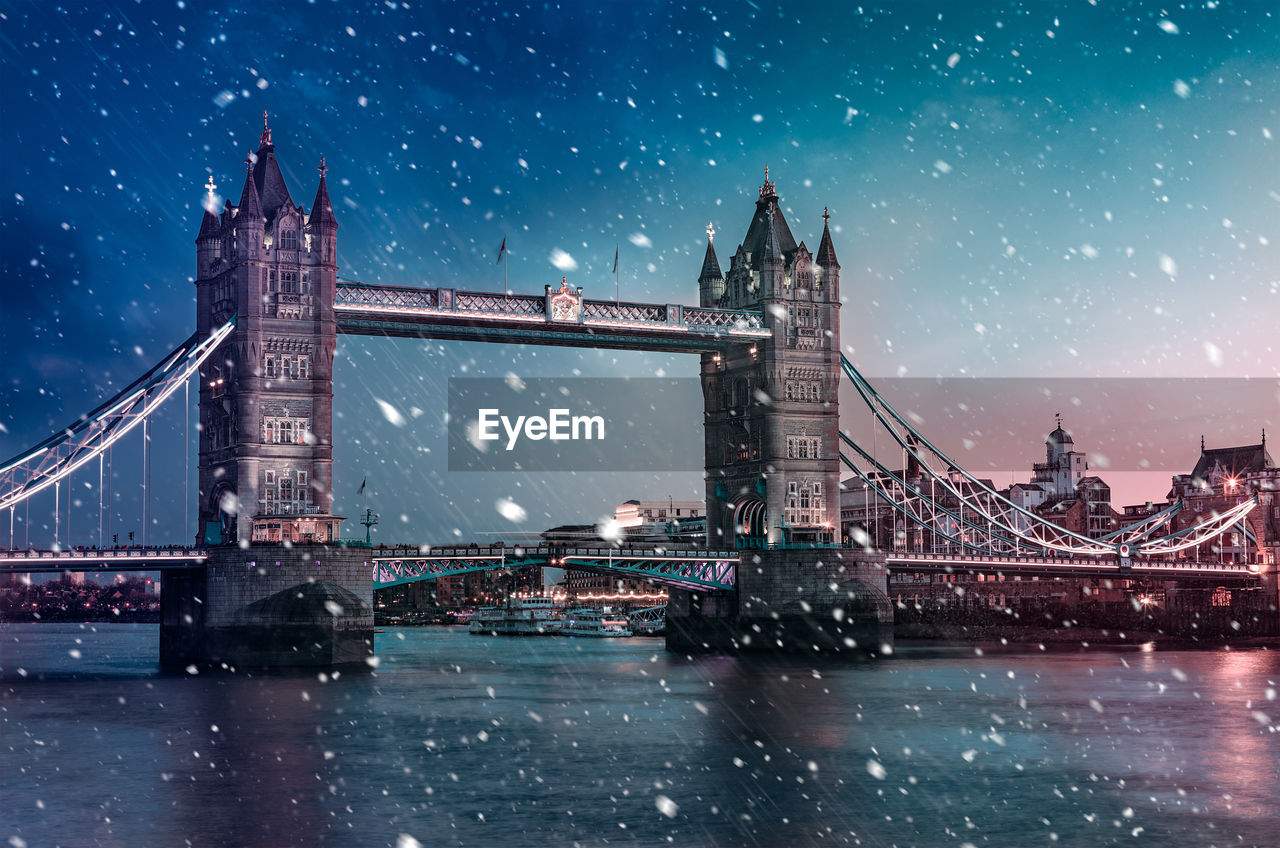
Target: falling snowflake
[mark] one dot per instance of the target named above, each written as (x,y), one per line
(390,413)
(563,261)
(510,510)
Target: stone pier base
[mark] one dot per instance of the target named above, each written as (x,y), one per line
(825,600)
(267,606)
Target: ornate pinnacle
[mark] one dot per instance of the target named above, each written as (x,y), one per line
(323,169)
(826,216)
(248,160)
(767,188)
(265,138)
(209,185)
(711,231)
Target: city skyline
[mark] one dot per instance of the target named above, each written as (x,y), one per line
(1036,194)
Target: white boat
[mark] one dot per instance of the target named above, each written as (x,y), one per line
(586,621)
(535,616)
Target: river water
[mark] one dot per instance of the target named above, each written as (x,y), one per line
(468,740)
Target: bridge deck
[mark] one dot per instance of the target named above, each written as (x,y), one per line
(687,567)
(1069,567)
(110,560)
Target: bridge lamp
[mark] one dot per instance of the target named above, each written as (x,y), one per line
(1231,484)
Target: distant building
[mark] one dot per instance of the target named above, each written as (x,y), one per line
(1064,467)
(634,513)
(1221,479)
(643,523)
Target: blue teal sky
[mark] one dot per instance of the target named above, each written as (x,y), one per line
(1070,189)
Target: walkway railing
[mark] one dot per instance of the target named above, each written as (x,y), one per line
(447,313)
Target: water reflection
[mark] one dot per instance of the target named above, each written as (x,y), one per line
(464,740)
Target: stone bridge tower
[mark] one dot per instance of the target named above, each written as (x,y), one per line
(772,417)
(273,592)
(266,398)
(772,460)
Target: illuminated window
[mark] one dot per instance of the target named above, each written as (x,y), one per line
(289,239)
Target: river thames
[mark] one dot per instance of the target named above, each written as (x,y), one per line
(457,739)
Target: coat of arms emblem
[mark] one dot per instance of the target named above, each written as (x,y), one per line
(564,304)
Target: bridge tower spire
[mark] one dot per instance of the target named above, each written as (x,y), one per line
(711,280)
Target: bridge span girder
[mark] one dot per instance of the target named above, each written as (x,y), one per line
(710,571)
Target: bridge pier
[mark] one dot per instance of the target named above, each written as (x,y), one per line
(268,606)
(805,601)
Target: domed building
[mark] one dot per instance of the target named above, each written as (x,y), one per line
(1064,467)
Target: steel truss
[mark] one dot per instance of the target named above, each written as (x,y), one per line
(685,569)
(657,613)
(85,439)
(961,510)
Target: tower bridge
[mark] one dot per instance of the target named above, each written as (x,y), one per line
(269,583)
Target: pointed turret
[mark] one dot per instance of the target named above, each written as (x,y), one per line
(322,226)
(322,209)
(250,205)
(710,265)
(267,176)
(826,250)
(209,239)
(772,261)
(208,225)
(829,276)
(711,280)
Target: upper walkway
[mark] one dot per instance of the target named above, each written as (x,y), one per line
(558,317)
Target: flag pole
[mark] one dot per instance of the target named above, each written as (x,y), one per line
(617,279)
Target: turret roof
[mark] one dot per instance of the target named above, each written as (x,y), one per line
(321,208)
(827,250)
